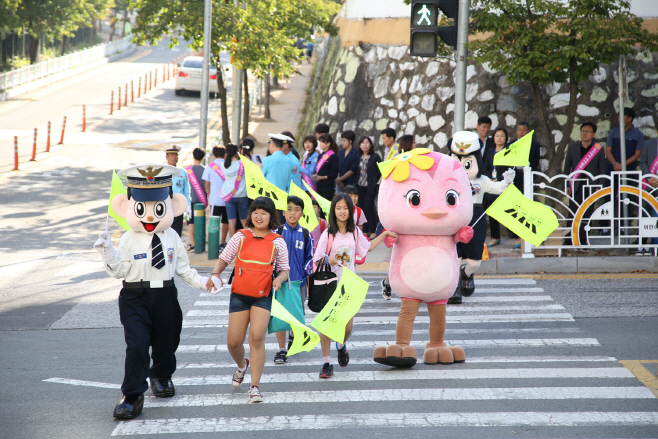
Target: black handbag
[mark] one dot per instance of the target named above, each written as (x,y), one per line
(321,286)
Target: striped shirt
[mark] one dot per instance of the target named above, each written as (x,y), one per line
(281,258)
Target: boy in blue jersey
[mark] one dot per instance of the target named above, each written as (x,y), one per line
(300,254)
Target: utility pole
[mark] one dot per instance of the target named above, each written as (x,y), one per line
(205,73)
(462,61)
(237,100)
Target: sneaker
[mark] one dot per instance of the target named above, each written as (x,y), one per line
(281,357)
(386,290)
(238,376)
(255,395)
(327,370)
(639,252)
(291,337)
(343,356)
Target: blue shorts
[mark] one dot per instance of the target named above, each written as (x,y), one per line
(237,206)
(238,303)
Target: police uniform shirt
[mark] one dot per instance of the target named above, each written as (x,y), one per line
(483,185)
(180,184)
(296,174)
(132,261)
(277,169)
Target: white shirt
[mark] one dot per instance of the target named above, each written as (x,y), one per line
(216,184)
(484,185)
(132,261)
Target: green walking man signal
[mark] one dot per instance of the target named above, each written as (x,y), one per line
(425,31)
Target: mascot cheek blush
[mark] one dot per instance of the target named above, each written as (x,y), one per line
(425,197)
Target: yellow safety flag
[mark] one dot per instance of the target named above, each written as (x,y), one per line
(305,339)
(308,219)
(258,186)
(530,220)
(343,305)
(382,165)
(325,204)
(517,154)
(117,189)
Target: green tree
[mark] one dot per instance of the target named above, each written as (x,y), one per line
(547,41)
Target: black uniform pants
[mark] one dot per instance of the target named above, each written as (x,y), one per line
(177,225)
(367,197)
(151,317)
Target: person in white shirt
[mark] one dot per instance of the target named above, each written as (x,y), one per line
(214,184)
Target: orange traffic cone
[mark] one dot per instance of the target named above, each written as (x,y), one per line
(485,252)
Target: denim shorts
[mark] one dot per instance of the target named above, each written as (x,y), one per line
(237,206)
(238,302)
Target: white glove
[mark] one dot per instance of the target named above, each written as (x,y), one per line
(103,245)
(508,176)
(217,282)
(188,211)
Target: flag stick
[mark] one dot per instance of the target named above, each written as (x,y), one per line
(479,219)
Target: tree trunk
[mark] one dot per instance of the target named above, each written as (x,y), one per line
(125,20)
(34,49)
(63,51)
(267,114)
(226,135)
(556,165)
(245,111)
(275,80)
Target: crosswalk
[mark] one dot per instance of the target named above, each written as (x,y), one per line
(528,365)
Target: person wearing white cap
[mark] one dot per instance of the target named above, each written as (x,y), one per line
(277,168)
(465,147)
(147,258)
(290,152)
(180,185)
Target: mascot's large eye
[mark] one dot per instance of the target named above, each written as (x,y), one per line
(468,164)
(160,209)
(140,210)
(413,198)
(452,198)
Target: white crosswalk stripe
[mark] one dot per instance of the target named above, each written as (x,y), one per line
(520,346)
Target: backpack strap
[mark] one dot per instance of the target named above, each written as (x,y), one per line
(306,235)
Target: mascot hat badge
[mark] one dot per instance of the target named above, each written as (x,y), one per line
(426,199)
(465,147)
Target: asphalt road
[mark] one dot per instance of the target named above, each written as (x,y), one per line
(546,357)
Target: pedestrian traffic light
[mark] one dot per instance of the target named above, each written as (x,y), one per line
(425,29)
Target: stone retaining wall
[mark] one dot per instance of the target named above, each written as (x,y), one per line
(369,87)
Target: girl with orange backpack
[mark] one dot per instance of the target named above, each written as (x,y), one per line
(339,245)
(260,256)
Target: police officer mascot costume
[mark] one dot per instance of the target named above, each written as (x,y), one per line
(465,147)
(147,258)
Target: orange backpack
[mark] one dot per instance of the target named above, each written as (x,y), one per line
(254,265)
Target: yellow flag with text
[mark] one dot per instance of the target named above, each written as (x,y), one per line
(517,154)
(344,304)
(117,189)
(530,220)
(308,219)
(258,186)
(325,204)
(305,339)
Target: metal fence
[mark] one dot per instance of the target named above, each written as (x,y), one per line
(33,72)
(596,212)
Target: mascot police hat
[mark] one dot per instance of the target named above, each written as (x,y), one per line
(150,181)
(465,143)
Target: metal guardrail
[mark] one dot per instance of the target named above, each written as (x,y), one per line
(593,216)
(33,72)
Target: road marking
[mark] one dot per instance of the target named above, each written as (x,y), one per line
(371,344)
(642,373)
(80,269)
(19,267)
(386,420)
(503,281)
(487,299)
(292,362)
(378,320)
(83,383)
(451,310)
(388,395)
(494,290)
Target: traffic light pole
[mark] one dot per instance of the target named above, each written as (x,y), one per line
(462,61)
(205,74)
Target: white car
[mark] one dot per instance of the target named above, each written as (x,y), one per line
(189,76)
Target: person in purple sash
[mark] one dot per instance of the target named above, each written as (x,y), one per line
(198,192)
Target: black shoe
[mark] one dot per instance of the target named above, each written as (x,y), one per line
(162,387)
(386,290)
(343,356)
(129,407)
(466,283)
(281,357)
(456,299)
(327,370)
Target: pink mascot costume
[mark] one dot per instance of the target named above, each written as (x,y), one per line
(425,197)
